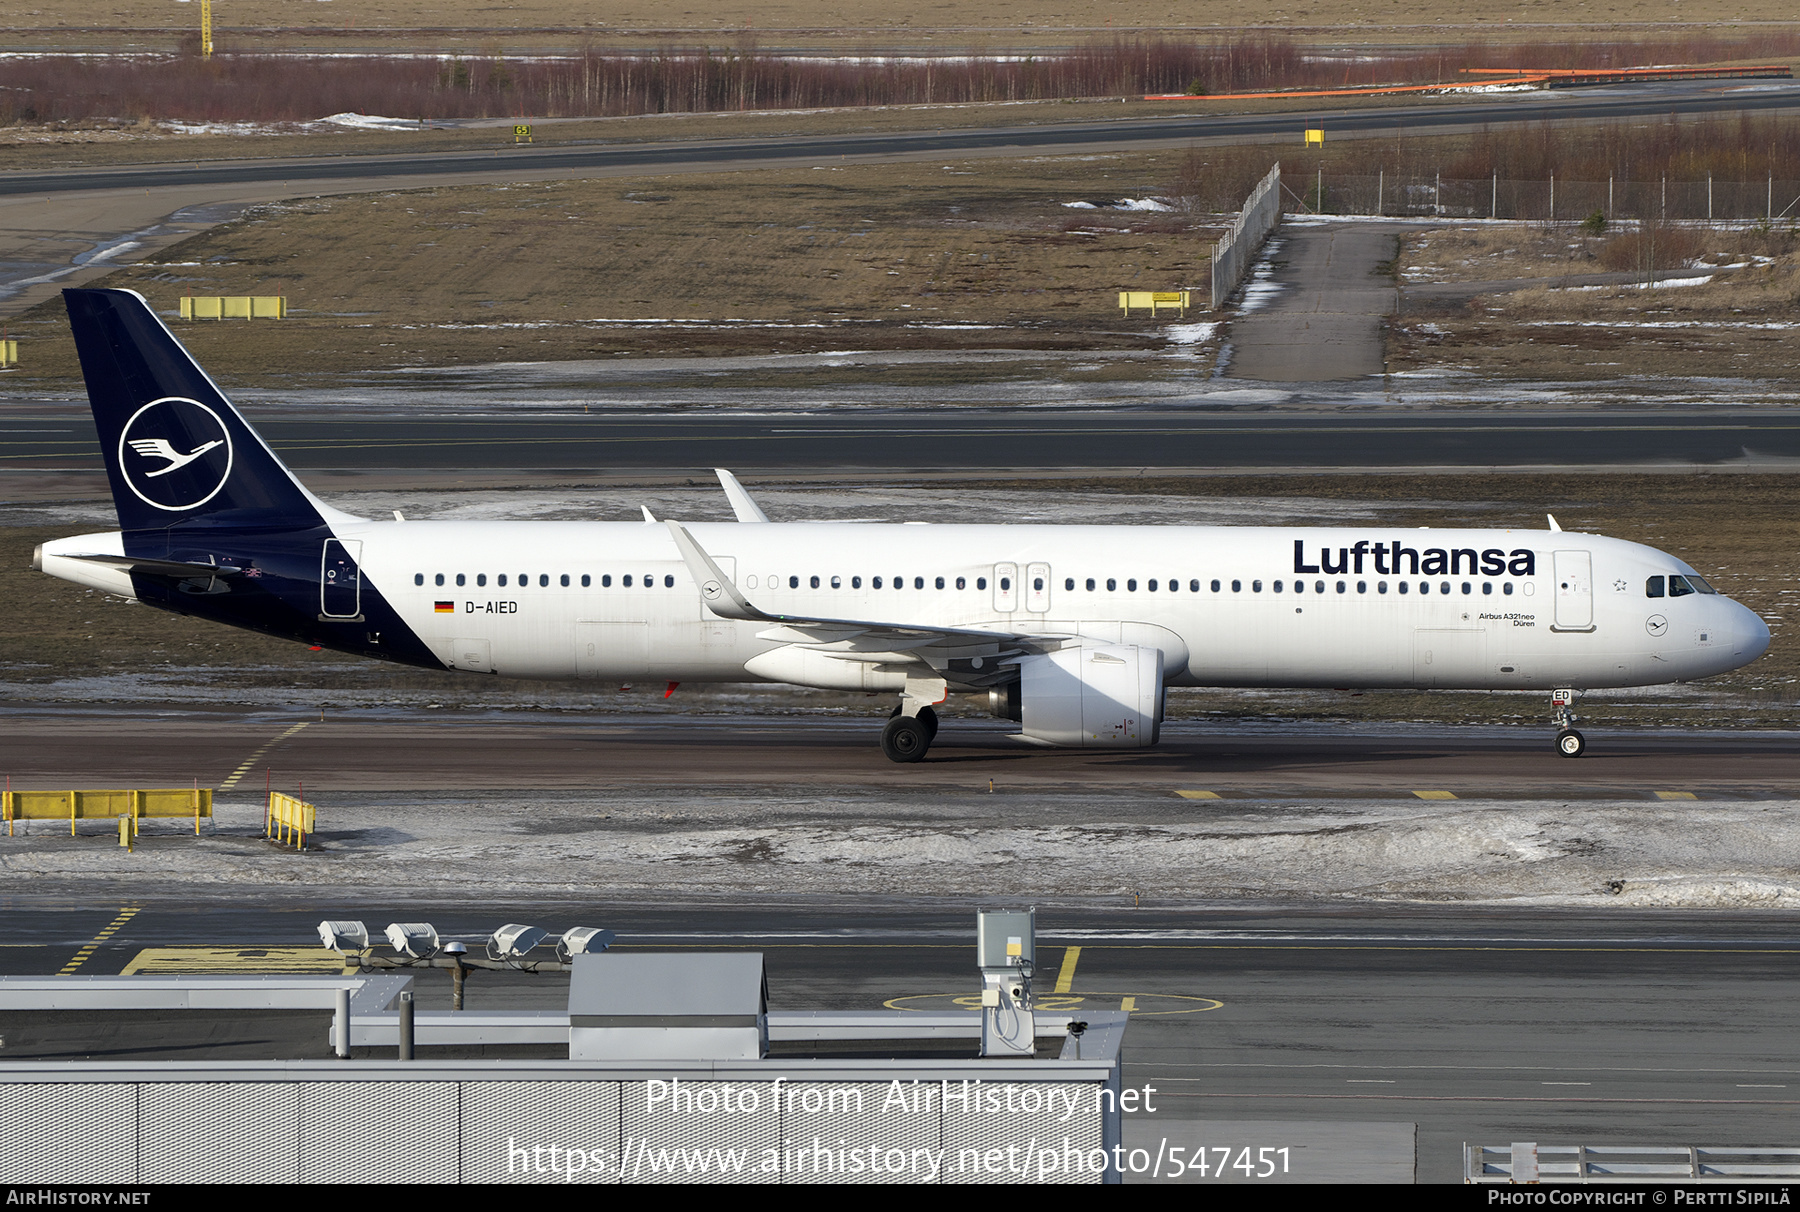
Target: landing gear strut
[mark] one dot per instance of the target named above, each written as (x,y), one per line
(1569,742)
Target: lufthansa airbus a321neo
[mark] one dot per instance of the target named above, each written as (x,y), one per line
(1074,631)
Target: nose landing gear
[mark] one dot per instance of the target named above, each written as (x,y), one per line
(1569,742)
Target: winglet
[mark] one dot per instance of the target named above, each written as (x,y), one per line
(1553,525)
(746,509)
(721,596)
(649,518)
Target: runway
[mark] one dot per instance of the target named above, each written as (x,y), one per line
(56,439)
(435,752)
(1192,125)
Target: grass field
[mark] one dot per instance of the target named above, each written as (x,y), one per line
(940,255)
(1738,530)
(930,24)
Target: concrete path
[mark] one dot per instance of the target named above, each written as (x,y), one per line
(1324,320)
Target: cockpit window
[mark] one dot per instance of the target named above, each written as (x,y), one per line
(1679,588)
(1653,588)
(1700,586)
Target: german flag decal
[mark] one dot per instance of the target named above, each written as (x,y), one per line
(446,608)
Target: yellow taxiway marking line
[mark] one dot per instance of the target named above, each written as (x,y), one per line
(1435,795)
(112,928)
(183,961)
(1676,795)
(1198,795)
(256,757)
(1065,979)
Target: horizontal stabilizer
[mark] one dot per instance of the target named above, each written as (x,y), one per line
(155,568)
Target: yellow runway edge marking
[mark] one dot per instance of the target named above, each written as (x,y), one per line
(1065,980)
(1676,795)
(112,928)
(1198,795)
(1434,795)
(256,757)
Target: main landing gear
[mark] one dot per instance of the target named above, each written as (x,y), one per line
(1569,742)
(907,737)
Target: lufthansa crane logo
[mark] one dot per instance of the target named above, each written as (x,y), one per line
(175,454)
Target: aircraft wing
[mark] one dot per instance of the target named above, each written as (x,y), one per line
(978,653)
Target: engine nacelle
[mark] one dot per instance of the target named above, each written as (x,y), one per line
(1097,697)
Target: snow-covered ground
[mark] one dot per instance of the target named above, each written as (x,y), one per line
(698,844)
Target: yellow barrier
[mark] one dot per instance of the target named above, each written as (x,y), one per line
(9,352)
(1154,299)
(234,307)
(288,820)
(1315,138)
(72,806)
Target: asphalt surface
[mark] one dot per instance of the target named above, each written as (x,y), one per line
(53,440)
(1476,1025)
(425,752)
(1325,323)
(576,159)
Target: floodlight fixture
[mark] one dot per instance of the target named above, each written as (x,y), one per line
(583,940)
(416,940)
(344,937)
(513,940)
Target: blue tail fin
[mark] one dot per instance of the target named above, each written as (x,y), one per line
(174,447)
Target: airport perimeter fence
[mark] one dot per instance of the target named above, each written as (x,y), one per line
(1773,200)
(1237,248)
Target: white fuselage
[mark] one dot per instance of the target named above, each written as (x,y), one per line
(1579,617)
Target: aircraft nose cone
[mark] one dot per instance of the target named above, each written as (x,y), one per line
(1750,636)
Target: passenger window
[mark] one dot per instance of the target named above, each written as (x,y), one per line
(1005,584)
(418,578)
(1277,586)
(625,581)
(856,582)
(1237,587)
(1255,586)
(1194,586)
(899,582)
(1111,585)
(1215,587)
(981,582)
(1174,585)
(500,580)
(1404,585)
(440,578)
(1679,588)
(793,582)
(606,580)
(1340,587)
(1318,586)
(875,582)
(459,578)
(1299,586)
(669,581)
(1068,583)
(1444,587)
(1151,586)
(837,582)
(1090,584)
(1362,587)
(481,578)
(940,583)
(1380,586)
(1487,589)
(1506,588)
(962,583)
(565,580)
(1424,586)
(1131,585)
(918,582)
(815,582)
(1653,588)
(586,580)
(1467,589)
